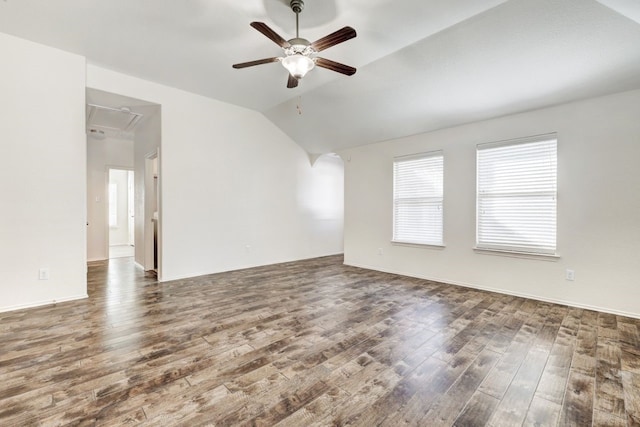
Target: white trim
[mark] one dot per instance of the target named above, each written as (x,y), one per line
(516,141)
(152,181)
(190,276)
(418,245)
(417,156)
(517,254)
(43,303)
(503,291)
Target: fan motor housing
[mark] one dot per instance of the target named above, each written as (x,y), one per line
(297,5)
(299,41)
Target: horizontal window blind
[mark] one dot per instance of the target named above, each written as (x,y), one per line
(417,199)
(516,195)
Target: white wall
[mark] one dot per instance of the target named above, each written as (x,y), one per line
(234,188)
(42,178)
(598,207)
(102,154)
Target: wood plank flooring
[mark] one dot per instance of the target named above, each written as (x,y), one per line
(313,343)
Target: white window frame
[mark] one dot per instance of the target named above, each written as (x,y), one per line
(503,223)
(425,233)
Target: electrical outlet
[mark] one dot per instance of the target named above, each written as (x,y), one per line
(247,248)
(43,274)
(380,251)
(570,275)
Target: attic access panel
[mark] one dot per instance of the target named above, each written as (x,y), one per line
(115,119)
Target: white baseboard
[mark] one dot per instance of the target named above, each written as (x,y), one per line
(238,268)
(503,291)
(41,303)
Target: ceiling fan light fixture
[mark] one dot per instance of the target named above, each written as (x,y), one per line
(300,55)
(298,65)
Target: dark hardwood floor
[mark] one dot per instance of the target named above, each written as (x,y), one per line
(313,343)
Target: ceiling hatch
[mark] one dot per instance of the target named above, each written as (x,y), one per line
(109,121)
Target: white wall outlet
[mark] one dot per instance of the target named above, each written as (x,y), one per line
(43,274)
(247,248)
(570,275)
(380,251)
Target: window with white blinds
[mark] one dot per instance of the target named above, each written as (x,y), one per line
(417,199)
(516,195)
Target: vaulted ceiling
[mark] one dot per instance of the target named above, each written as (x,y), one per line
(422,64)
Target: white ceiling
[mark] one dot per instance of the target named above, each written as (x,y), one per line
(422,64)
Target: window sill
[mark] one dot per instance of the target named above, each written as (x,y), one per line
(417,245)
(516,254)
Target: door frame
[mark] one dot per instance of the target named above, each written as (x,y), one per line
(149,183)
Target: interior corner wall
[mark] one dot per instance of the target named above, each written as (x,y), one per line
(235,190)
(598,207)
(102,154)
(42,179)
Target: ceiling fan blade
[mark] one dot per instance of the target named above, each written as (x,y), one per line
(335,66)
(342,35)
(256,62)
(292,82)
(264,29)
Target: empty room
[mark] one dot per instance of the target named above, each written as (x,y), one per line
(320,213)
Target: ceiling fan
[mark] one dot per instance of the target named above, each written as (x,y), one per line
(300,53)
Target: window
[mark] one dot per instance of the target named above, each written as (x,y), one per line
(516,195)
(417,199)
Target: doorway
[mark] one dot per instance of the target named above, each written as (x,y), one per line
(124,133)
(121,213)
